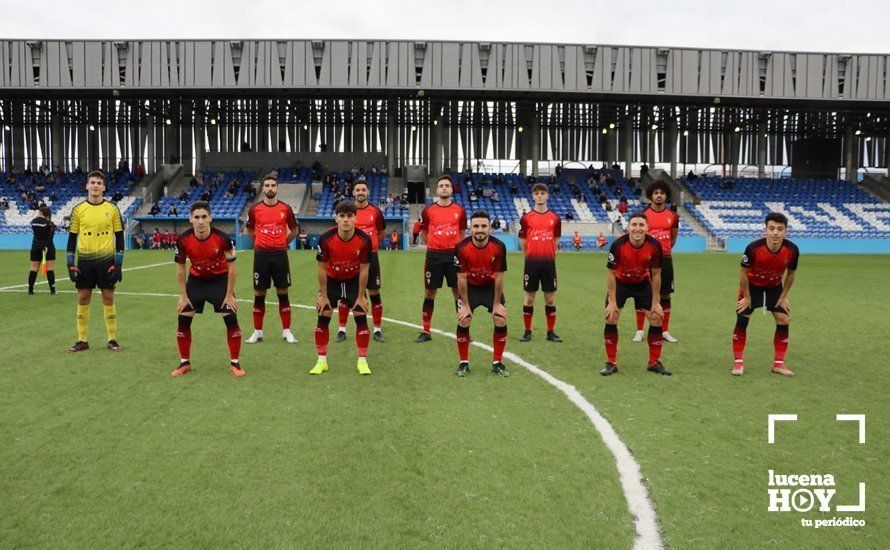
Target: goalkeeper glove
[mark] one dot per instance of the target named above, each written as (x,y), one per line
(115,273)
(73,272)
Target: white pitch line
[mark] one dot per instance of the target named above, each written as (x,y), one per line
(639,504)
(43,282)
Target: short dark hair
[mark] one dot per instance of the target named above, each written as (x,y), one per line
(658,184)
(345,207)
(540,187)
(200,205)
(637,215)
(273,175)
(45,210)
(360,181)
(445,177)
(96,174)
(777,217)
(480,214)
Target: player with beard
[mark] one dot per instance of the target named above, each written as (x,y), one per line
(664,225)
(369,219)
(272,226)
(442,225)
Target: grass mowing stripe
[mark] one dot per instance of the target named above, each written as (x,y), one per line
(44,281)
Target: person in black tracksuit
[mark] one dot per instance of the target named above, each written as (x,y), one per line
(42,246)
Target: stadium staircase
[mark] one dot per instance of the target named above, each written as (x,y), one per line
(877,186)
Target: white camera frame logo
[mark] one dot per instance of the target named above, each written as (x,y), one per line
(804,498)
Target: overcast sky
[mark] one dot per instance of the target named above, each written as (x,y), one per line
(811,25)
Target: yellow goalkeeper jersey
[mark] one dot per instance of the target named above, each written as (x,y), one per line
(95,225)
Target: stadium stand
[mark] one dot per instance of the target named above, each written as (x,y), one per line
(61,196)
(816,208)
(229,191)
(378,186)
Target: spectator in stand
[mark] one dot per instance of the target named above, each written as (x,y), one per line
(415,231)
(207,195)
(487,192)
(139,172)
(59,174)
(389,200)
(374,169)
(570,215)
(495,197)
(622,206)
(691,175)
(394,241)
(601,242)
(50,178)
(384,170)
(117,197)
(171,210)
(184,196)
(576,241)
(193,183)
(155,210)
(644,169)
(4,203)
(495,222)
(66,223)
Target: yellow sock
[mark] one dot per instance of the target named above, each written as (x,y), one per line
(110,321)
(83,322)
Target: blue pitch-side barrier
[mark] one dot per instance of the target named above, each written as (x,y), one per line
(823,246)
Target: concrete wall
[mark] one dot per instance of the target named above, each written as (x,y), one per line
(333,161)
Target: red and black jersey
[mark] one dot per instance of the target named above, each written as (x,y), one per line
(445,226)
(370,220)
(270,225)
(209,256)
(765,267)
(541,233)
(480,264)
(632,265)
(344,259)
(661,226)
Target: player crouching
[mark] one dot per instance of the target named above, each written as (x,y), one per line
(344,259)
(760,285)
(211,278)
(634,272)
(481,262)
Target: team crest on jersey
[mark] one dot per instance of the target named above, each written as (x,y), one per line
(108,214)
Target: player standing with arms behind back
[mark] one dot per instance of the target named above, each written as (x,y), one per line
(539,232)
(664,225)
(634,272)
(369,219)
(442,225)
(42,246)
(211,279)
(481,262)
(344,255)
(97,236)
(760,285)
(272,226)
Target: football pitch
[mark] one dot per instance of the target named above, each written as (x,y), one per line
(108,450)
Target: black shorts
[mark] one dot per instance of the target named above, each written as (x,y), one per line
(37,252)
(374,281)
(94,275)
(212,291)
(439,265)
(640,292)
(539,275)
(763,297)
(343,291)
(481,296)
(269,268)
(667,275)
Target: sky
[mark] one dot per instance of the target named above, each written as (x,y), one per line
(848,26)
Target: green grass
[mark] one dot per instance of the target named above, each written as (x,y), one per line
(101,449)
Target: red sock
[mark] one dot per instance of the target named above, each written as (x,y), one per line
(499,342)
(780,342)
(343,313)
(377,314)
(259,311)
(641,318)
(362,335)
(655,343)
(610,337)
(739,337)
(427,313)
(322,335)
(666,318)
(284,310)
(184,340)
(233,337)
(463,343)
(527,313)
(551,317)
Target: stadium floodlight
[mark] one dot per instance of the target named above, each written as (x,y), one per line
(7,128)
(168,122)
(213,121)
(92,128)
(520,129)
(413,128)
(685,132)
(605,131)
(858,132)
(436,123)
(655,126)
(868,138)
(611,126)
(737,129)
(305,126)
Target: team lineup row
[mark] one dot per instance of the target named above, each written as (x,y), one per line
(639,267)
